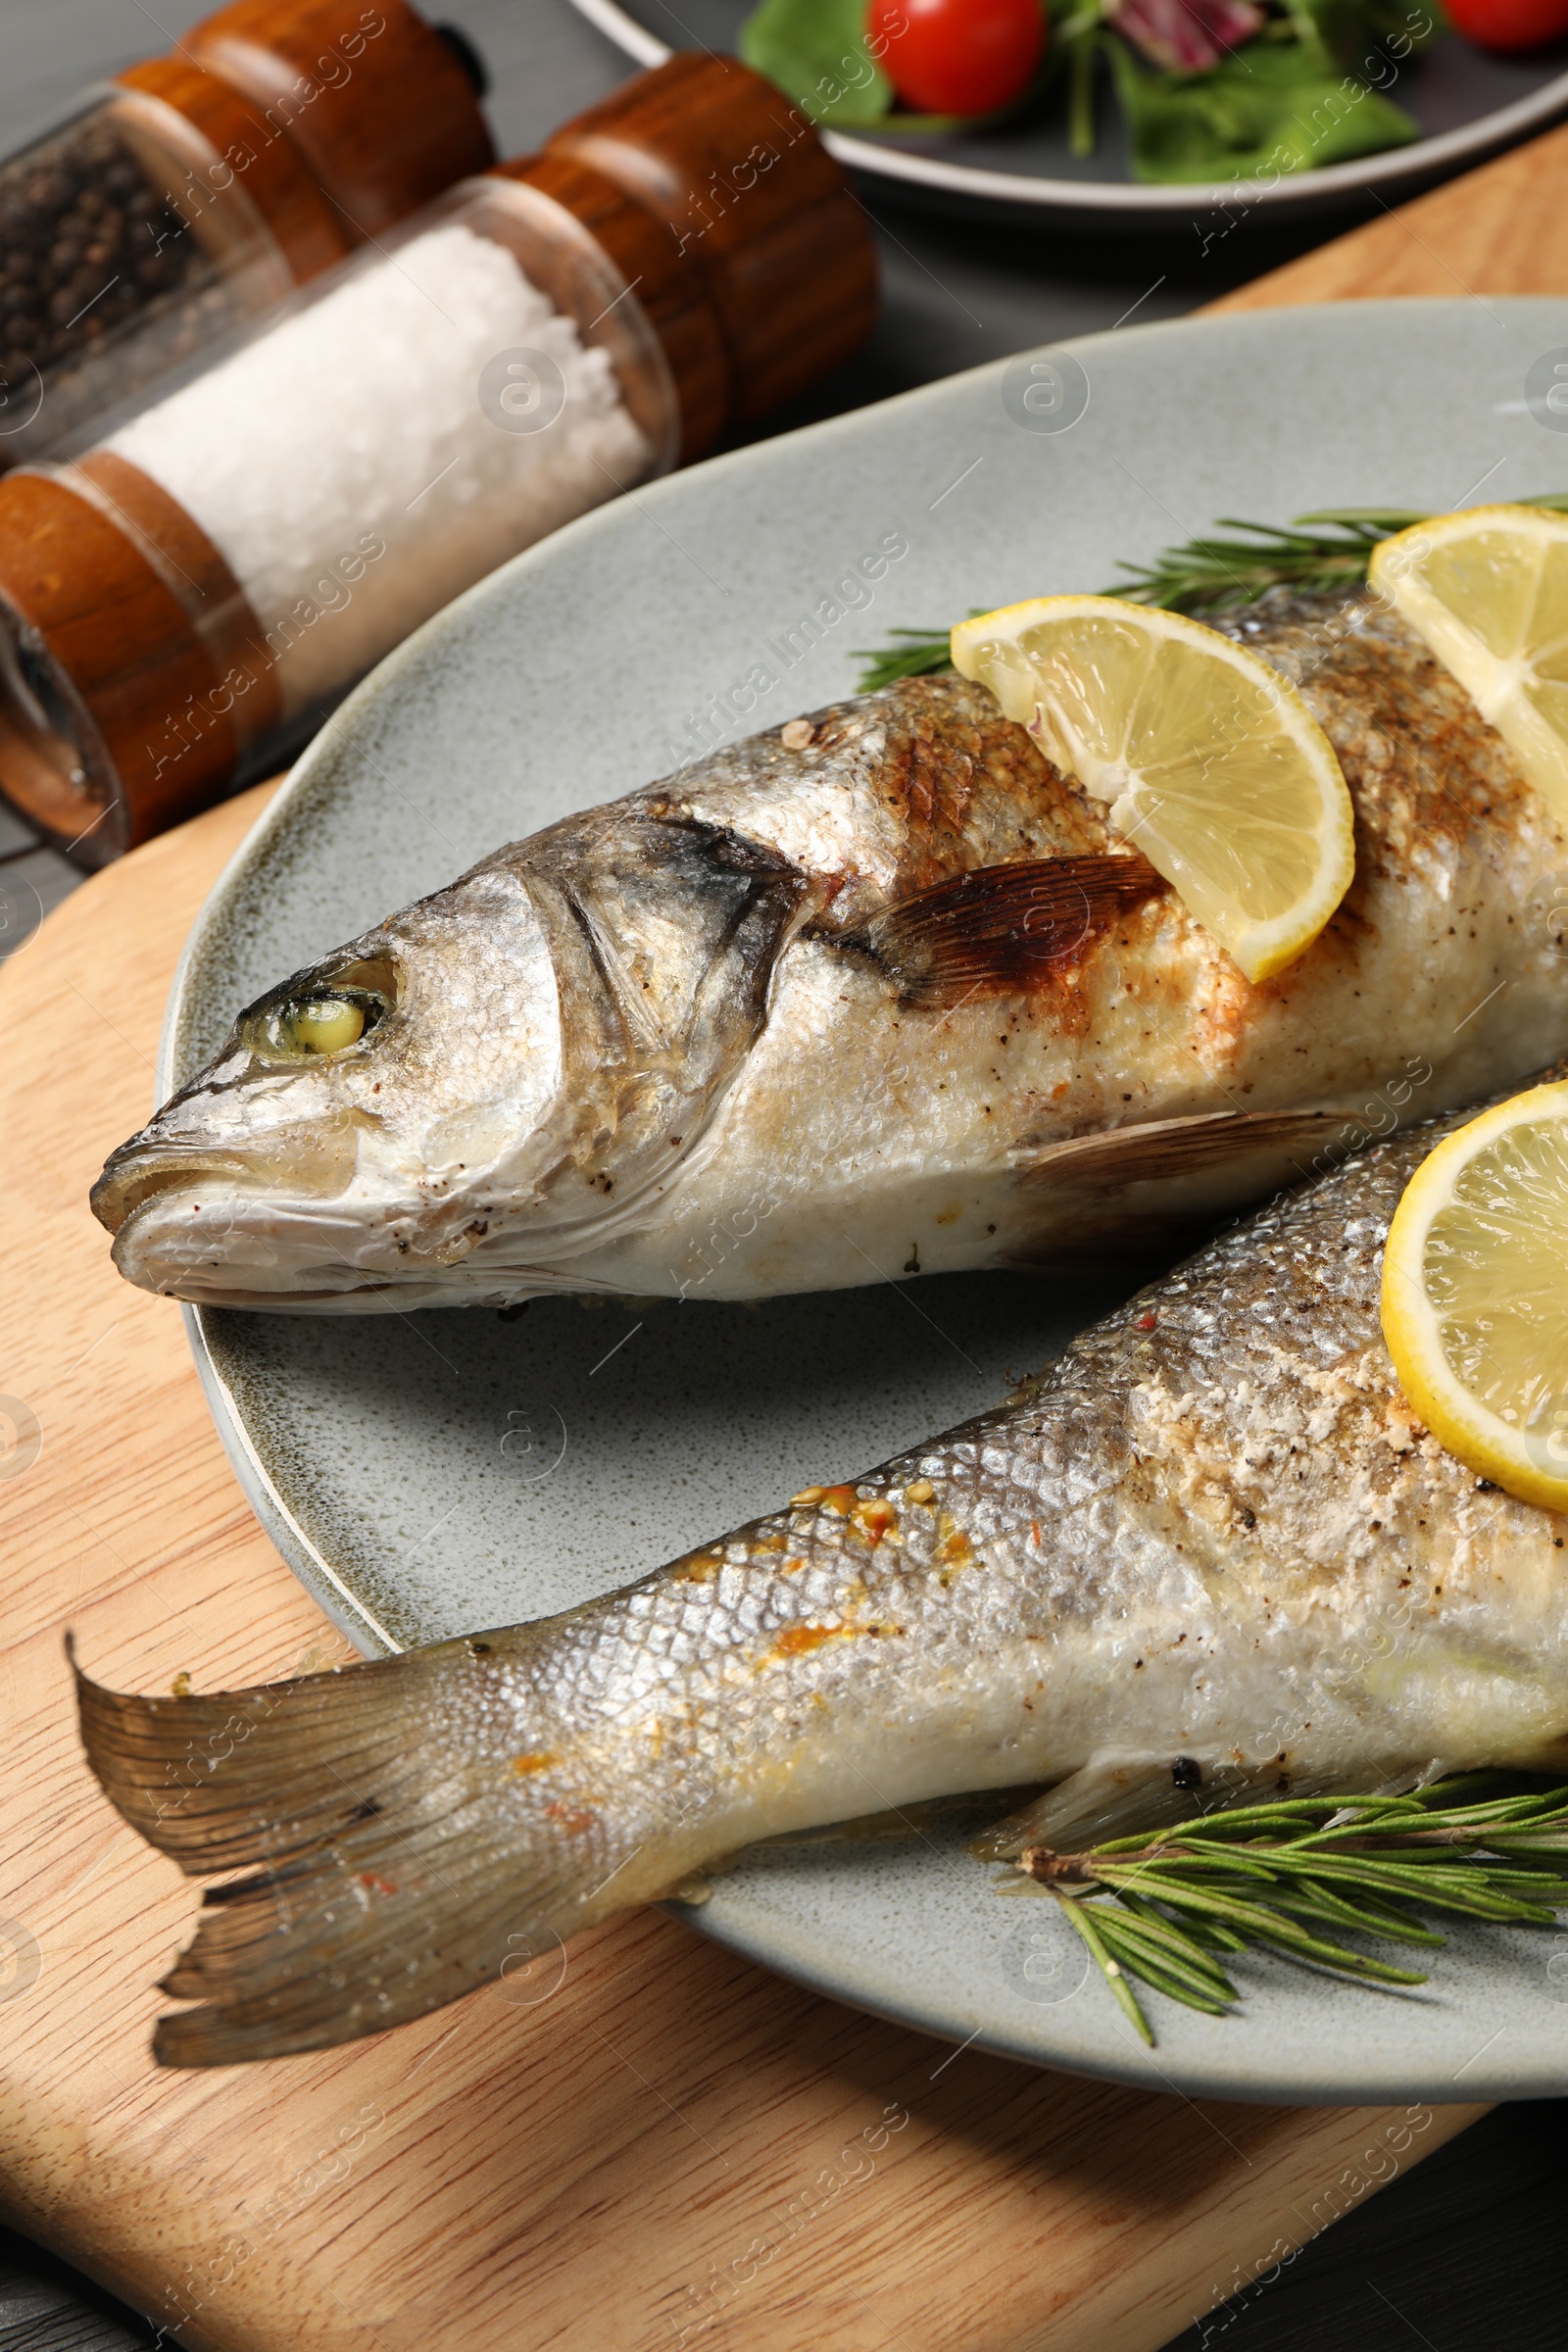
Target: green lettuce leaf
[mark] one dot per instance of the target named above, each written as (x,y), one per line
(815,51)
(1266,110)
(1349,33)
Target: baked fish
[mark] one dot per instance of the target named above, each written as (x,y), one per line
(1211,1539)
(876,993)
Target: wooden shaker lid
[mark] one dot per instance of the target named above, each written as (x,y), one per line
(750,200)
(131,680)
(370,99)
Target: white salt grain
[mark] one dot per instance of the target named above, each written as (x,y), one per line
(355,425)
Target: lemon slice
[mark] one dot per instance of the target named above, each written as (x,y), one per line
(1213,765)
(1488,590)
(1475,1295)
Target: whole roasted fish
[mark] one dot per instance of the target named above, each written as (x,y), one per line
(878,992)
(1213,1531)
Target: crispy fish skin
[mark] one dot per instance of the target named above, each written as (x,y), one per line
(1212,1530)
(863,996)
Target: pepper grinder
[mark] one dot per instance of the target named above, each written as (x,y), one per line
(197,189)
(222,562)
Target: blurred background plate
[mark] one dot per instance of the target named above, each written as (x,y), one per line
(438,1473)
(1468,103)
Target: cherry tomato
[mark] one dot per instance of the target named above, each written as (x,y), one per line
(1505,24)
(964,57)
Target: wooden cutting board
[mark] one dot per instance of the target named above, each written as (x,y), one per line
(1500,231)
(672,2147)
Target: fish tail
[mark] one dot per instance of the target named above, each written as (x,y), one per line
(392,1866)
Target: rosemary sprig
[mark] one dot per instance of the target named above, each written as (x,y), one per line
(1329,549)
(1295,1874)
(926,651)
(1325,549)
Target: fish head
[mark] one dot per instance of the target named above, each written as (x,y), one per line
(460,1103)
(363,1118)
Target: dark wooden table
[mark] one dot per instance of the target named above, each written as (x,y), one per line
(1464,2251)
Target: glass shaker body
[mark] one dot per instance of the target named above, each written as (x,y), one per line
(197,189)
(126,243)
(410,419)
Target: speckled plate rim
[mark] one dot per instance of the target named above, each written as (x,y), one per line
(1235,2074)
(1131,200)
(1233,2067)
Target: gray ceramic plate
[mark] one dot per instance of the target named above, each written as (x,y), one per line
(1467,102)
(439,1473)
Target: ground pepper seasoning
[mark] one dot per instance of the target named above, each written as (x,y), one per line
(92,242)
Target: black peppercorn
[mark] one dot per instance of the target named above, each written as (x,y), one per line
(91,248)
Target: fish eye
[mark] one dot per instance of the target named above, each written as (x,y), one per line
(319,1023)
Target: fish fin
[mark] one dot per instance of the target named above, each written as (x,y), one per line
(381,1887)
(1002,929)
(1121,1794)
(1117,1794)
(1168,1175)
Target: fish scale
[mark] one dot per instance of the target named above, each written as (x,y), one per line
(1212,1531)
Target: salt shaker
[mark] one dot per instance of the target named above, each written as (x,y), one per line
(229,555)
(198,189)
